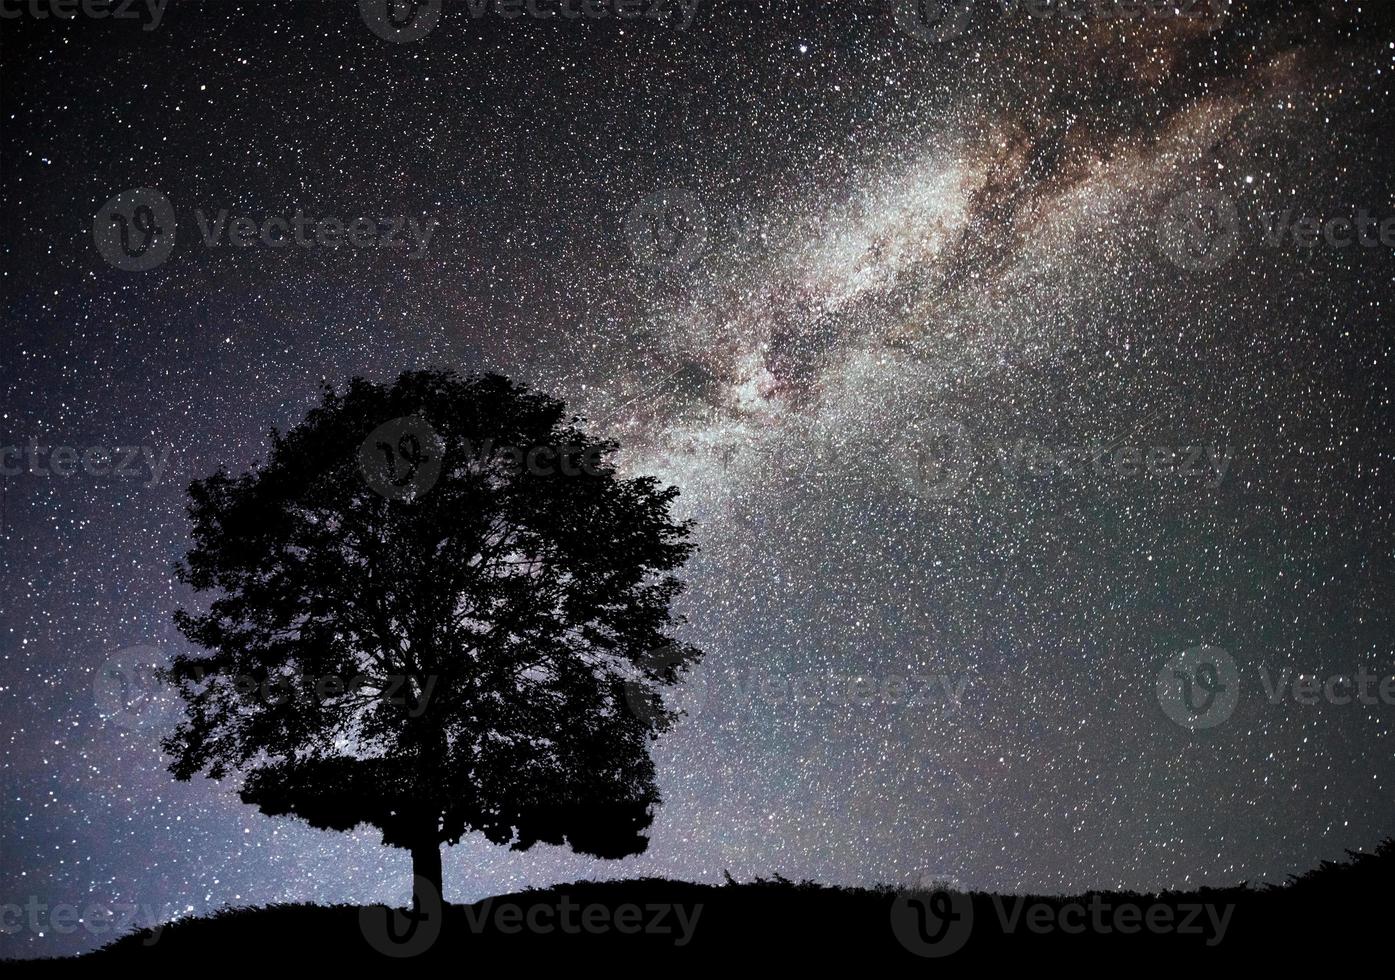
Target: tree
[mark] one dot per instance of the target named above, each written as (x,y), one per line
(436,609)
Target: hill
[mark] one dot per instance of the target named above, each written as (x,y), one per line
(1324,916)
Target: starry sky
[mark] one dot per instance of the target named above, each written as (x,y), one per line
(910,282)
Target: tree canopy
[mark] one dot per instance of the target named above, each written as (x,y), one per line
(435,609)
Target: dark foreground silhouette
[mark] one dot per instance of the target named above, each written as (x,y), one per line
(1328,915)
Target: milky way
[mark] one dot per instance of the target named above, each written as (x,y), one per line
(972,449)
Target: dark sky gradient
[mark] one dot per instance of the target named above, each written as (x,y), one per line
(903,238)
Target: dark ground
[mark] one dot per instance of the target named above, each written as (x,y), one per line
(1337,916)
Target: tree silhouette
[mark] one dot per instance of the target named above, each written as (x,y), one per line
(436,610)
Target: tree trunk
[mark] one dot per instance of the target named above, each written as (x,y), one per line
(426,876)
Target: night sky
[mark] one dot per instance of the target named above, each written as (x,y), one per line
(973,446)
